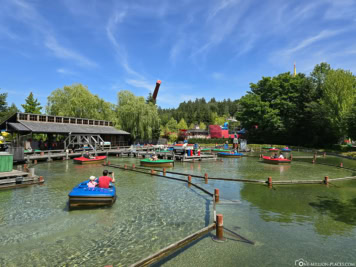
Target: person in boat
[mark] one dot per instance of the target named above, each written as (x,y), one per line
(281,156)
(92,183)
(154,157)
(88,156)
(226,146)
(104,181)
(275,156)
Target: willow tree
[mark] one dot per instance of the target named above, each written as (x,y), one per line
(339,98)
(77,101)
(137,117)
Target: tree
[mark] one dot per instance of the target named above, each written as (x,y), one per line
(338,98)
(6,111)
(77,101)
(138,117)
(32,105)
(182,125)
(202,126)
(172,125)
(191,126)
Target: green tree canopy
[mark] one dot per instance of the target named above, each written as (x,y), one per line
(138,117)
(77,101)
(172,125)
(338,98)
(32,105)
(202,126)
(182,125)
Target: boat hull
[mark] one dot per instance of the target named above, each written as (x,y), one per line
(83,196)
(82,160)
(228,155)
(157,163)
(276,161)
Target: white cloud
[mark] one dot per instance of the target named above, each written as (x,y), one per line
(62,52)
(141,84)
(65,71)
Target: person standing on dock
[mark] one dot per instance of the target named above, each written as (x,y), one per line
(104,181)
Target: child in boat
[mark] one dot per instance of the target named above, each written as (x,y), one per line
(92,182)
(281,156)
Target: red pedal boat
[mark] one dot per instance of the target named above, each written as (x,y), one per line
(83,160)
(276,161)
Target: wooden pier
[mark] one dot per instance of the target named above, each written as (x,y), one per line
(50,155)
(17,178)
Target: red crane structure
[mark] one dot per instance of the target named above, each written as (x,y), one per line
(155,93)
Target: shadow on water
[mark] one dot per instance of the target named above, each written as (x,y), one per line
(339,210)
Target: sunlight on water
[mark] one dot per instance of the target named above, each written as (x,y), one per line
(286,222)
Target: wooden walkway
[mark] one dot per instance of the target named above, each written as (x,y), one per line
(17,178)
(50,155)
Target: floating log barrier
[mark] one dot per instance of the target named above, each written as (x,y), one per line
(172,178)
(175,246)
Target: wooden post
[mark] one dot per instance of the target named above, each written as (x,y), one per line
(291,156)
(341,165)
(35,161)
(125,167)
(164,171)
(117,155)
(219,227)
(314,158)
(108,163)
(324,155)
(206,178)
(217,195)
(189,180)
(133,166)
(326,180)
(40,179)
(269,181)
(152,172)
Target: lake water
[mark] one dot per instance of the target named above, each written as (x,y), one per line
(316,223)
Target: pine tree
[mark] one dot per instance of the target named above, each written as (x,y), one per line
(32,105)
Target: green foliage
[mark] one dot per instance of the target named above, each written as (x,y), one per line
(138,117)
(77,101)
(172,125)
(191,126)
(173,137)
(338,98)
(202,126)
(182,125)
(6,111)
(32,105)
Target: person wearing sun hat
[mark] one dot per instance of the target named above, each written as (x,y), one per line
(92,183)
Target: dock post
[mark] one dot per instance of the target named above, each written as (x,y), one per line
(219,228)
(164,171)
(152,172)
(133,166)
(206,178)
(35,161)
(31,172)
(341,165)
(40,179)
(217,195)
(189,180)
(125,167)
(324,154)
(269,181)
(326,180)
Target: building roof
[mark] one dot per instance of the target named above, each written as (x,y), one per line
(20,122)
(40,127)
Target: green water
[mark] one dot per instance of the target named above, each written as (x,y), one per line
(313,222)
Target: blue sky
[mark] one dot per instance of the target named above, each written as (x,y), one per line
(197,48)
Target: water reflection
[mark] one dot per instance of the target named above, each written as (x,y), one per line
(330,209)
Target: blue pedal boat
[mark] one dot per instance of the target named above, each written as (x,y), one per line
(84,196)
